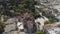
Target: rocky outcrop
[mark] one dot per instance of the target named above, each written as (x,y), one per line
(11,24)
(48,6)
(28,20)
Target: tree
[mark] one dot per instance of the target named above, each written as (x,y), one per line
(51,20)
(18,6)
(1,27)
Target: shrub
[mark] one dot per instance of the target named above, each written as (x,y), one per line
(40,32)
(1,27)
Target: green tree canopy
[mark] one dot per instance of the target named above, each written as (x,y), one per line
(18,6)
